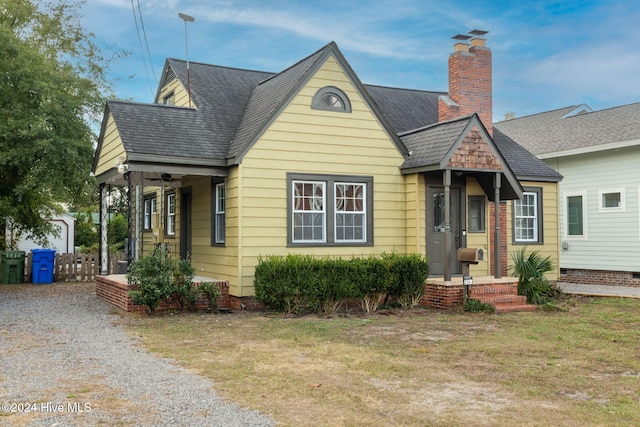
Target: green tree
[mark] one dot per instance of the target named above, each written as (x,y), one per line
(52,86)
(118,231)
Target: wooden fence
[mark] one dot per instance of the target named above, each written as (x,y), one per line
(74,267)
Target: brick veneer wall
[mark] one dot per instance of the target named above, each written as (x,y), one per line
(599,277)
(115,290)
(442,296)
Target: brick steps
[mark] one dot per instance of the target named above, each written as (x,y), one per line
(503,297)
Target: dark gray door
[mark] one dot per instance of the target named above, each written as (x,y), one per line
(436,228)
(185,223)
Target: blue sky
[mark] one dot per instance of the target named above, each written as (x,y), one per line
(546,54)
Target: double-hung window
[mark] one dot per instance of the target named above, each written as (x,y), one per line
(219,213)
(171,214)
(149,212)
(330,210)
(527,217)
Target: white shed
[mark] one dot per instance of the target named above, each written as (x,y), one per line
(64,243)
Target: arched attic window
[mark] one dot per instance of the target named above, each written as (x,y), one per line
(331,98)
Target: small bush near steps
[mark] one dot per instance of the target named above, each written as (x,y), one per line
(472,305)
(158,277)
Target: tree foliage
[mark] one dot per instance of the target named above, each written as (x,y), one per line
(52,85)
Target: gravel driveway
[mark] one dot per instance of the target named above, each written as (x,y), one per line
(64,362)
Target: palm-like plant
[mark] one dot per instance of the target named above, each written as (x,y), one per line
(530,270)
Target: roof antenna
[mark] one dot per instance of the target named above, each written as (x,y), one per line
(186,18)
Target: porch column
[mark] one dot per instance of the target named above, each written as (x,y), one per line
(497,256)
(135,210)
(104,219)
(447,225)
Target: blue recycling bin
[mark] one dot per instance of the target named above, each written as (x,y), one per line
(42,261)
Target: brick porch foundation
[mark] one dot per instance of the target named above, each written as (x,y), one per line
(115,290)
(502,293)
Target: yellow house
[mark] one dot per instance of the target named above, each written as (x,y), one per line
(228,165)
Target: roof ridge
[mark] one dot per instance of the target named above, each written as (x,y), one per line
(405,89)
(423,128)
(569,107)
(148,104)
(220,66)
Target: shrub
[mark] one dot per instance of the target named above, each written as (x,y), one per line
(158,277)
(212,292)
(373,281)
(473,305)
(153,277)
(183,290)
(300,283)
(409,274)
(530,270)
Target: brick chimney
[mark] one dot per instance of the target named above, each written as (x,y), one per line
(469,81)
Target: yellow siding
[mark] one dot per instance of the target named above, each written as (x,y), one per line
(216,262)
(304,140)
(111,148)
(479,240)
(181,96)
(551,246)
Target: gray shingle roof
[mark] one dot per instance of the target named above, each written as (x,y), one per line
(549,132)
(234,105)
(162,130)
(406,109)
(524,165)
(429,145)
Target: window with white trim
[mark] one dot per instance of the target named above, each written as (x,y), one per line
(171,214)
(149,212)
(220,213)
(611,200)
(350,213)
(329,210)
(527,217)
(309,215)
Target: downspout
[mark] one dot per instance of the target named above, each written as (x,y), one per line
(497,261)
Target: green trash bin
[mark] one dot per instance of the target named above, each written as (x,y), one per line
(12,267)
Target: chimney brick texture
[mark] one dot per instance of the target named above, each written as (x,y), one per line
(470,86)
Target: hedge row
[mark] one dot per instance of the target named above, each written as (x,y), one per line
(302,283)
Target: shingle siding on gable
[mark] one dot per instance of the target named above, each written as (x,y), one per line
(474,153)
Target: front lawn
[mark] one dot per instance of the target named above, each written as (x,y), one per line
(576,367)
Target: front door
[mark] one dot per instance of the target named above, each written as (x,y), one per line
(185,223)
(436,229)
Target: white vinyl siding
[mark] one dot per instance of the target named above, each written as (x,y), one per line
(610,240)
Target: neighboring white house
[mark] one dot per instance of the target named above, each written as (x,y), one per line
(598,153)
(63,243)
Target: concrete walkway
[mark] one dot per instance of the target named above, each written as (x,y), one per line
(599,290)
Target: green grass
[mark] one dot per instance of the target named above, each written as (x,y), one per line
(574,367)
